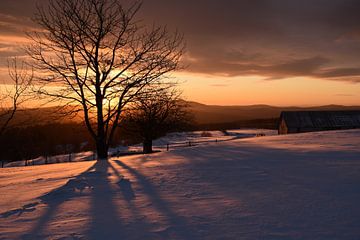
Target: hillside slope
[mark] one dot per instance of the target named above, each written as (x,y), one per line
(303,186)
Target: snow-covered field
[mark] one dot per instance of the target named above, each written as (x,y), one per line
(304,186)
(174,140)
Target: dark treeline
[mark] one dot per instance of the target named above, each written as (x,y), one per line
(21,143)
(33,141)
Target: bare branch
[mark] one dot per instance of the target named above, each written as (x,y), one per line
(102,58)
(17,94)
(157,111)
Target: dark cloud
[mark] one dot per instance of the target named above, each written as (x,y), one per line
(271,38)
(11,25)
(292,68)
(241,64)
(20,8)
(339,72)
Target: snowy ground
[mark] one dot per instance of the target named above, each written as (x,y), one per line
(175,140)
(304,186)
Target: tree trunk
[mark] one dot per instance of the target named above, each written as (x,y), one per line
(101,149)
(101,145)
(147,146)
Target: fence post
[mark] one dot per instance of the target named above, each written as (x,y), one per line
(69,157)
(167,147)
(2,163)
(216,140)
(189,144)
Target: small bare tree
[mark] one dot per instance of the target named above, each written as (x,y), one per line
(13,95)
(97,57)
(157,112)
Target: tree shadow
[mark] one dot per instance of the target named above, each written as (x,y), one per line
(116,210)
(178,227)
(124,184)
(104,223)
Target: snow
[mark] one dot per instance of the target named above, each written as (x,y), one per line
(304,186)
(181,139)
(174,140)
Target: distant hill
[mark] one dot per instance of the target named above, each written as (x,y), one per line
(214,114)
(203,114)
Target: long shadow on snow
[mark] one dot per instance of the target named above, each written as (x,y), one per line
(104,223)
(178,226)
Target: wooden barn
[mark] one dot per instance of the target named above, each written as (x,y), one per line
(312,121)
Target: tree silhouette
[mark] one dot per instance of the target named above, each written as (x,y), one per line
(14,94)
(95,57)
(157,112)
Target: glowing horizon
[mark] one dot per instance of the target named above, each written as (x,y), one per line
(254,90)
(278,59)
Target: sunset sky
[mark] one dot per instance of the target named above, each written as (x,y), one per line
(243,52)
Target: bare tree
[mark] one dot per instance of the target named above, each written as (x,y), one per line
(13,95)
(97,57)
(155,113)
